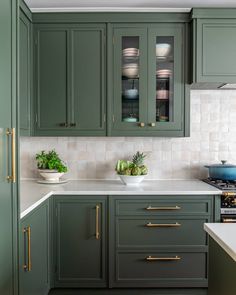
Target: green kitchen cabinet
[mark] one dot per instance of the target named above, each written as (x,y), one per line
(69,80)
(25,73)
(34,252)
(148,86)
(159,241)
(80,241)
(214,45)
(8,136)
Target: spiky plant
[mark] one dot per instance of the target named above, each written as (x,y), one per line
(138,159)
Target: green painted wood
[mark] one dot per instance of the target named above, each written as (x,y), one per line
(134,269)
(80,258)
(88,79)
(111,17)
(25,74)
(8,199)
(51,78)
(175,31)
(25,9)
(222,269)
(133,291)
(134,232)
(213,61)
(35,281)
(118,124)
(213,13)
(131,241)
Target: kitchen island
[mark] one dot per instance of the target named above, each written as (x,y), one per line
(222,258)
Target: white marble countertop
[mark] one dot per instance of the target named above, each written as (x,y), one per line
(225,235)
(32,193)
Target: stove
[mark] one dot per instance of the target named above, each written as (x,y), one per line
(228,198)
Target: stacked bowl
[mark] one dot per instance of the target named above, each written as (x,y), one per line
(130,70)
(130,52)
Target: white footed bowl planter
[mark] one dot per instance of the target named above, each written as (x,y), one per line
(51,175)
(131,180)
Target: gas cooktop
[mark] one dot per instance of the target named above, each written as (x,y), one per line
(223,185)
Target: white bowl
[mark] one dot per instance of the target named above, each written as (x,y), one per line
(162,49)
(131,93)
(131,180)
(130,72)
(162,94)
(51,175)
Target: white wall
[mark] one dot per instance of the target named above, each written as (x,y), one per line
(213,138)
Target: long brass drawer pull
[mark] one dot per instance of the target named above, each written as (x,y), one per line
(150,258)
(149,224)
(28,265)
(97,222)
(163,208)
(12,133)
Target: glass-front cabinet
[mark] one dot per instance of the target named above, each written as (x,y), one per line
(148,92)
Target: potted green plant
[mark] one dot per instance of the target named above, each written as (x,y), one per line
(50,166)
(132,172)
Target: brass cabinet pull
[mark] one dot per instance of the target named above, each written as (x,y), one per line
(150,258)
(97,222)
(63,125)
(152,124)
(163,208)
(28,266)
(149,224)
(141,124)
(12,133)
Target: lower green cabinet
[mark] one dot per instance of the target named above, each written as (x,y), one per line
(34,252)
(159,241)
(80,241)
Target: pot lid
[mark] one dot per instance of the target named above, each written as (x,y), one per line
(222,165)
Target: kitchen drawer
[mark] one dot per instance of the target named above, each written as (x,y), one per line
(168,205)
(158,269)
(160,232)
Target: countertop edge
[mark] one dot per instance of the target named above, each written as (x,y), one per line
(219,241)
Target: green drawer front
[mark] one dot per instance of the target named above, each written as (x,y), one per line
(164,206)
(160,232)
(135,266)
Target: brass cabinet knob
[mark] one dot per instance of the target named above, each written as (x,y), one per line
(72,124)
(141,124)
(152,124)
(63,125)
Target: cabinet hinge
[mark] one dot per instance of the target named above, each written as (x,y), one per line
(104,118)
(113,118)
(36,118)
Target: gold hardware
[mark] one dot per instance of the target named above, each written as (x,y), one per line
(149,224)
(97,222)
(28,266)
(12,133)
(229,220)
(163,208)
(150,258)
(72,124)
(229,194)
(141,124)
(152,124)
(63,125)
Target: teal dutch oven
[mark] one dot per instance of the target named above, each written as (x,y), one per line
(222,171)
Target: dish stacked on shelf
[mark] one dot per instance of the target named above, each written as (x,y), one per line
(164,73)
(130,52)
(130,69)
(162,50)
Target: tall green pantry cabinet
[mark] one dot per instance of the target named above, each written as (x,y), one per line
(8,145)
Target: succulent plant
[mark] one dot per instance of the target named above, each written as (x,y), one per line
(136,171)
(127,171)
(138,159)
(144,170)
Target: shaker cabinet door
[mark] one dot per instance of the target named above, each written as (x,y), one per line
(88,80)
(80,241)
(51,79)
(165,72)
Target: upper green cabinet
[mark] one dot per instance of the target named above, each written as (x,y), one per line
(148,93)
(214,45)
(69,80)
(25,73)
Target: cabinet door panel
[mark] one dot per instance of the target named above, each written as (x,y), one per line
(80,253)
(35,281)
(165,91)
(88,105)
(216,51)
(51,78)
(24,74)
(130,80)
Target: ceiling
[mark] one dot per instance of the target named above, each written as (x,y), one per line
(124,5)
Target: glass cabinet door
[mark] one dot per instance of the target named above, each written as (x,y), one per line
(165,78)
(130,78)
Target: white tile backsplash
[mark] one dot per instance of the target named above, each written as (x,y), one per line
(213,138)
